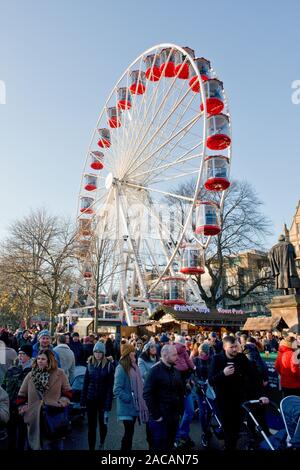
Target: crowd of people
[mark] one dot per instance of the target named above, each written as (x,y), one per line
(156,381)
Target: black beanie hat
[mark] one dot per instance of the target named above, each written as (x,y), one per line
(27,349)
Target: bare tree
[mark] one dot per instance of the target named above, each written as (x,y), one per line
(101,259)
(243,227)
(38,253)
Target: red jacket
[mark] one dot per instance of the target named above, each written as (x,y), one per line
(183,361)
(289,372)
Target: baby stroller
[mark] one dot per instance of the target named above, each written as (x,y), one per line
(76,410)
(208,412)
(290,410)
(265,426)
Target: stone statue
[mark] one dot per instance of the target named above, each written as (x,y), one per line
(283,267)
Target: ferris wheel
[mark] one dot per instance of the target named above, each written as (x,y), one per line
(165,122)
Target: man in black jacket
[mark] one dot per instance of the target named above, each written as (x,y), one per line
(231,375)
(77,348)
(164,395)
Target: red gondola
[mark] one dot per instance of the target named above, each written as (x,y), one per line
(138,82)
(167,59)
(218,132)
(90,182)
(203,65)
(96,160)
(153,72)
(214,96)
(216,173)
(114,117)
(182,64)
(86,204)
(192,260)
(104,141)
(124,98)
(207,218)
(174,290)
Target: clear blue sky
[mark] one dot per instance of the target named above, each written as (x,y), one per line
(60,59)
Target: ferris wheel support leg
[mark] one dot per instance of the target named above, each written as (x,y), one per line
(122,261)
(130,242)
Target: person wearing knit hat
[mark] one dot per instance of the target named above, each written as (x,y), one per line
(99,347)
(128,389)
(44,333)
(26,349)
(97,394)
(164,339)
(44,342)
(126,349)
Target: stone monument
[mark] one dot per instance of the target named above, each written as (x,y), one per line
(283,269)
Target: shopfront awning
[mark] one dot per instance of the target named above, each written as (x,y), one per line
(264,323)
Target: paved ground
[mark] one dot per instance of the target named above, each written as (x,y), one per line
(78,438)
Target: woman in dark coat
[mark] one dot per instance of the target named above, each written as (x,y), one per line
(97,394)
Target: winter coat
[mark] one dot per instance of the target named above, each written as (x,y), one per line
(164,392)
(98,385)
(183,361)
(9,355)
(67,359)
(36,348)
(58,386)
(145,364)
(4,407)
(78,351)
(288,371)
(13,380)
(233,389)
(252,353)
(270,344)
(122,391)
(202,366)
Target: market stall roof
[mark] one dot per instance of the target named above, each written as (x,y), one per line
(264,323)
(200,316)
(82,325)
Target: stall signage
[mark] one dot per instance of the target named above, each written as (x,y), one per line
(201,309)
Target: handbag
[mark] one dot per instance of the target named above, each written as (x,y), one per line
(55,421)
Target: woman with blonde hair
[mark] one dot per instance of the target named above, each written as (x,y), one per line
(45,384)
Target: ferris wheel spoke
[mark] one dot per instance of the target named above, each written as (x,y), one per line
(179,161)
(175,127)
(160,108)
(137,186)
(161,125)
(182,131)
(173,177)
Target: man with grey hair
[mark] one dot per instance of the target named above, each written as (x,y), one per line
(164,396)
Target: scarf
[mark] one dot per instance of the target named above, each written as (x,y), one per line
(40,379)
(137,391)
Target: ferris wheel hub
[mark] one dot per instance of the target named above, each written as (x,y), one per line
(109,181)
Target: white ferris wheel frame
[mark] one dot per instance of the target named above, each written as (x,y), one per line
(170,257)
